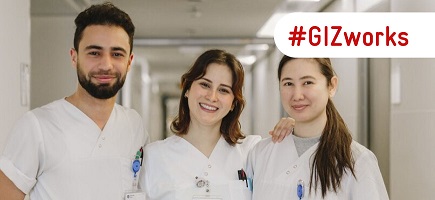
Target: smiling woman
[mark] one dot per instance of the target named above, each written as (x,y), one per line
(320,154)
(208,149)
(207,133)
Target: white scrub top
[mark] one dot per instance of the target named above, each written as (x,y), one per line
(276,170)
(172,165)
(57,152)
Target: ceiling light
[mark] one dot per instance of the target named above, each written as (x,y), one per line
(247,59)
(257,47)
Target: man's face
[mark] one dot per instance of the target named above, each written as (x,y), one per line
(103,60)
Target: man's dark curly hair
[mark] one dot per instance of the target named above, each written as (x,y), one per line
(103,14)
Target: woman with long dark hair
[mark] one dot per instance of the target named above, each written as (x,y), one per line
(319,160)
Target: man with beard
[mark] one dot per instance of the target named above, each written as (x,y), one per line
(84,146)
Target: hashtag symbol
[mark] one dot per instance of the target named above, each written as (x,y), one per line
(297,35)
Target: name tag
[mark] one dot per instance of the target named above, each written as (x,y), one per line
(135,196)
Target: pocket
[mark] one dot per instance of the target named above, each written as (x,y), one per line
(239,190)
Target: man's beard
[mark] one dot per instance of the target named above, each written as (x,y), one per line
(102,91)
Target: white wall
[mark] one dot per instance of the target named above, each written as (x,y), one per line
(15,49)
(53,76)
(412,131)
(379,113)
(410,137)
(412,120)
(265,100)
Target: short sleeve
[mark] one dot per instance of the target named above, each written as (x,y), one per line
(20,159)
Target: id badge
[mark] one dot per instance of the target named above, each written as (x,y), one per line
(138,195)
(206,197)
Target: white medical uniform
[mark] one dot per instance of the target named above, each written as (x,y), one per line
(276,169)
(171,166)
(57,152)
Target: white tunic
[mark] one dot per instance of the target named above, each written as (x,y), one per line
(171,166)
(276,170)
(57,152)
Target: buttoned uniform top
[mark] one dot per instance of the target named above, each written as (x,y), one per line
(276,170)
(58,152)
(171,166)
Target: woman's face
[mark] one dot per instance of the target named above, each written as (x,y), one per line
(210,98)
(304,90)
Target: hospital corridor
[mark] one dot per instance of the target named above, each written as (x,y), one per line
(387,103)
